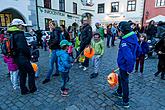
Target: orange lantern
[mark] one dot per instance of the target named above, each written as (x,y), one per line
(35,67)
(112,79)
(89,52)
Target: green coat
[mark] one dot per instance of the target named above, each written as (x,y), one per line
(98,47)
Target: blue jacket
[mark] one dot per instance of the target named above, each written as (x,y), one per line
(144,47)
(127,52)
(64,61)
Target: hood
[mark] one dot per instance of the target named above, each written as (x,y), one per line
(130,38)
(13,28)
(60,52)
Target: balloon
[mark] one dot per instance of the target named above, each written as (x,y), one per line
(35,67)
(89,52)
(112,79)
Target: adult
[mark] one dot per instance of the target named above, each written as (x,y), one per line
(160,29)
(151,30)
(114,34)
(100,30)
(39,38)
(86,36)
(126,60)
(54,46)
(64,33)
(22,56)
(1,36)
(109,34)
(160,49)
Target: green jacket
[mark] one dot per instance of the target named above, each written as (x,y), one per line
(13,28)
(101,32)
(98,47)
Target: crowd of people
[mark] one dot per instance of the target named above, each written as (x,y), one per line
(132,50)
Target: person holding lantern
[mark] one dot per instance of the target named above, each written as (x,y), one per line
(126,60)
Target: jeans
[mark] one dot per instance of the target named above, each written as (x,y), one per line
(39,69)
(86,62)
(123,85)
(113,41)
(52,60)
(65,79)
(141,61)
(96,63)
(14,79)
(108,40)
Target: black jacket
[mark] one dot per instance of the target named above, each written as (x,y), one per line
(160,46)
(54,42)
(86,35)
(22,50)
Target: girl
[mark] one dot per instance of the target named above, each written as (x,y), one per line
(140,56)
(98,45)
(13,69)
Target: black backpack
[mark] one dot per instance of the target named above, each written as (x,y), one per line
(7,46)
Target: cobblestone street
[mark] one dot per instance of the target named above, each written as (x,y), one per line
(147,93)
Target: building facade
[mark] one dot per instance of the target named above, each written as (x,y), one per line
(110,11)
(153,8)
(65,12)
(10,9)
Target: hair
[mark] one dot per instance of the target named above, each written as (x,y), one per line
(64,47)
(143,35)
(97,34)
(53,22)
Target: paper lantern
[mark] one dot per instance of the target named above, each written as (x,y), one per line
(89,52)
(82,59)
(112,79)
(35,67)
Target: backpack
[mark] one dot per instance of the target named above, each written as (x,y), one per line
(7,46)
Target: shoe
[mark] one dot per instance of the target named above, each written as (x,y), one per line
(94,75)
(85,68)
(80,66)
(25,93)
(117,95)
(136,71)
(162,78)
(34,90)
(123,104)
(45,81)
(108,46)
(56,74)
(64,93)
(156,74)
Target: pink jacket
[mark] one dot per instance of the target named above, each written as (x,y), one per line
(10,63)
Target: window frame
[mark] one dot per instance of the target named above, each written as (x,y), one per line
(74,4)
(111,7)
(156,3)
(61,2)
(131,5)
(45,5)
(103,4)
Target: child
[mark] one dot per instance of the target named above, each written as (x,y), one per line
(34,58)
(141,56)
(13,69)
(64,65)
(98,45)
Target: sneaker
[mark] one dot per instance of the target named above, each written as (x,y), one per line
(117,95)
(123,104)
(25,93)
(56,74)
(85,68)
(136,71)
(45,81)
(64,93)
(94,75)
(80,66)
(34,90)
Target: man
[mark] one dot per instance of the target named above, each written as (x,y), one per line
(54,45)
(39,37)
(100,30)
(86,36)
(22,56)
(126,60)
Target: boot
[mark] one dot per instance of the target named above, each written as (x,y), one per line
(162,76)
(157,73)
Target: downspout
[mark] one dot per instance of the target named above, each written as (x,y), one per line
(37,14)
(143,12)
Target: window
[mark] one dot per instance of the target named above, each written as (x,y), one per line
(62,5)
(5,19)
(74,8)
(101,8)
(47,3)
(47,20)
(160,3)
(62,22)
(115,7)
(131,6)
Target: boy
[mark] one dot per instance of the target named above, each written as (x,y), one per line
(98,45)
(64,65)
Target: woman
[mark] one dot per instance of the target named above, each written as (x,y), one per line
(151,30)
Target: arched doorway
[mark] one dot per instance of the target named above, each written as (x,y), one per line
(7,15)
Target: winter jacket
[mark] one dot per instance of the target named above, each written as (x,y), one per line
(34,55)
(151,31)
(20,44)
(160,46)
(10,63)
(109,32)
(160,31)
(127,52)
(144,47)
(65,36)
(64,61)
(114,31)
(98,47)
(100,30)
(54,42)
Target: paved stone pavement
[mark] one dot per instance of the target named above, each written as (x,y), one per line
(147,93)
